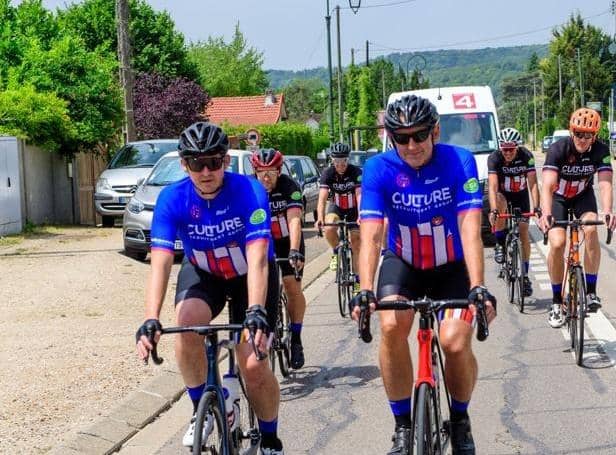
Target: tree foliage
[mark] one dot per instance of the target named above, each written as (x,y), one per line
(232,69)
(304,97)
(164,106)
(157,45)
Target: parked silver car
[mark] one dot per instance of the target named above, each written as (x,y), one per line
(307,174)
(140,210)
(116,185)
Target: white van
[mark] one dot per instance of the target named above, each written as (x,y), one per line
(468,119)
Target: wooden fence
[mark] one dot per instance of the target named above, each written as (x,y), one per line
(87,167)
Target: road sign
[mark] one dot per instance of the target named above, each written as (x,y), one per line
(253,137)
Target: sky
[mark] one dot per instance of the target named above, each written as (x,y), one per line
(291,34)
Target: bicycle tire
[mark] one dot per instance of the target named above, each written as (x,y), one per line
(246,435)
(426,432)
(342,281)
(216,442)
(509,270)
(519,276)
(571,316)
(581,315)
(284,343)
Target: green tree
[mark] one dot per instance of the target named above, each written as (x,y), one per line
(156,44)
(232,69)
(304,97)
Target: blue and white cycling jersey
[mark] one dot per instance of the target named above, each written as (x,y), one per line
(214,232)
(422,205)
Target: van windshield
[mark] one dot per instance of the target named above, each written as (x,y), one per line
(233,165)
(143,154)
(475,132)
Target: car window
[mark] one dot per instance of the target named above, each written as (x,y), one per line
(144,154)
(307,170)
(233,164)
(248,170)
(167,170)
(294,165)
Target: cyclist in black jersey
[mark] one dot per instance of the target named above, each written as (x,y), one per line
(285,200)
(343,181)
(568,172)
(511,180)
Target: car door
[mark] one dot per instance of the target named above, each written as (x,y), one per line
(311,184)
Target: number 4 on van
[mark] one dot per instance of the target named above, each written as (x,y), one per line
(464,100)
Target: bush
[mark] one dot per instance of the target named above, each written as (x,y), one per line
(40,118)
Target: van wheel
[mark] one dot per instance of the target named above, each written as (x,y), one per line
(108,221)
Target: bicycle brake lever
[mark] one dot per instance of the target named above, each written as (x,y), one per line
(482,321)
(364,323)
(609,231)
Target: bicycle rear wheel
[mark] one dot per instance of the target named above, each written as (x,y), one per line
(519,276)
(426,428)
(209,414)
(581,315)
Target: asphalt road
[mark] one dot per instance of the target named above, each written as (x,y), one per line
(530,397)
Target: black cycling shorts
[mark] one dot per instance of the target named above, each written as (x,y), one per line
(281,249)
(518,200)
(214,291)
(447,281)
(582,203)
(350,214)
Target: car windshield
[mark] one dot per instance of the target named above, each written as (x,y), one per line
(143,154)
(358,158)
(476,131)
(168,170)
(233,164)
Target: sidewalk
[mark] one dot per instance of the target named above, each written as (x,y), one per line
(142,406)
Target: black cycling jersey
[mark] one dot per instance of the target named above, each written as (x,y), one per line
(287,194)
(512,176)
(576,170)
(342,186)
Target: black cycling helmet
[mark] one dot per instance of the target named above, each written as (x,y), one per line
(203,138)
(339,150)
(410,111)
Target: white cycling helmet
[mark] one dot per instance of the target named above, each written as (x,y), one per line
(509,135)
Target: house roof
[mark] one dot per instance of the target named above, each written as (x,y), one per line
(246,110)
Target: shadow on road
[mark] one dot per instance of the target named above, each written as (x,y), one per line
(305,381)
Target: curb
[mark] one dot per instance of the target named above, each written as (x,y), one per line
(142,406)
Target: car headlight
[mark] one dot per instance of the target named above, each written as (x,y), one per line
(102,185)
(135,206)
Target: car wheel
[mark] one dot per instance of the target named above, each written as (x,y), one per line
(136,254)
(108,221)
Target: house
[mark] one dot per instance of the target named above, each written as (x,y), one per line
(265,109)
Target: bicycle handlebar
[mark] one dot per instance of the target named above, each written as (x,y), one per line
(341,223)
(204,330)
(424,306)
(578,223)
(513,215)
(293,264)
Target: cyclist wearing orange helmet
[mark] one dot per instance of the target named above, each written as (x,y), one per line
(285,201)
(568,174)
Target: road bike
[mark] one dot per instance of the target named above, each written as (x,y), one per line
(512,270)
(574,282)
(345,275)
(281,343)
(430,433)
(218,438)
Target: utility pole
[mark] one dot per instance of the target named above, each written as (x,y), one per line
(560,83)
(352,57)
(535,114)
(367,53)
(582,103)
(126,72)
(328,20)
(383,85)
(340,108)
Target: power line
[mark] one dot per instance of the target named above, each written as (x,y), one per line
(382,5)
(385,48)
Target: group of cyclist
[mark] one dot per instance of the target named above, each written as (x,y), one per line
(424,194)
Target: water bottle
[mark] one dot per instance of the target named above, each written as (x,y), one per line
(231,391)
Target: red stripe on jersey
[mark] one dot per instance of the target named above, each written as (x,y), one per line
(451,255)
(427,252)
(415,243)
(276,231)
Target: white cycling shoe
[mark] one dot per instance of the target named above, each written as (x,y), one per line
(189,436)
(556,318)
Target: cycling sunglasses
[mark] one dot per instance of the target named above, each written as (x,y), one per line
(269,173)
(197,163)
(581,135)
(417,136)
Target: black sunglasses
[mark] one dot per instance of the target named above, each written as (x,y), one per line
(197,163)
(417,136)
(581,135)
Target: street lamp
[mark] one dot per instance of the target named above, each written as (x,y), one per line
(355,5)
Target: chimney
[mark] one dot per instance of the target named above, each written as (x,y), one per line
(270,98)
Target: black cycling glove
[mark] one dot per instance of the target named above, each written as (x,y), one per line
(256,319)
(148,328)
(479,293)
(362,299)
(295,255)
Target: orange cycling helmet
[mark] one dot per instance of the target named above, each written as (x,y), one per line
(585,120)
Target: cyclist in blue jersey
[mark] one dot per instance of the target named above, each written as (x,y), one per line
(228,255)
(430,194)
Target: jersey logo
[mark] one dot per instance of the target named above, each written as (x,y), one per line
(296,195)
(471,185)
(258,216)
(359,178)
(531,161)
(195,212)
(431,181)
(464,101)
(607,160)
(222,211)
(402,180)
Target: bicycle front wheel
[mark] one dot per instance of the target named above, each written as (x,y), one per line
(509,272)
(246,435)
(284,342)
(519,276)
(426,431)
(210,434)
(343,278)
(581,315)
